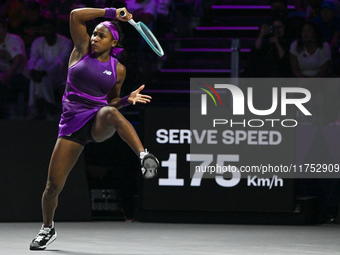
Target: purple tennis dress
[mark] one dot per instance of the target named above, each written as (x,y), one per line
(88,83)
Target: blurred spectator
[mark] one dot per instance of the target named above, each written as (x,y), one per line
(143,10)
(48,69)
(60,11)
(163,17)
(116,3)
(301,8)
(31,27)
(13,82)
(279,7)
(292,22)
(314,8)
(329,23)
(310,55)
(43,3)
(184,13)
(14,11)
(270,56)
(301,5)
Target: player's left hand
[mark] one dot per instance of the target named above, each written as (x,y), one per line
(136,97)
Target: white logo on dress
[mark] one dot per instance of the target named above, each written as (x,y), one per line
(107,72)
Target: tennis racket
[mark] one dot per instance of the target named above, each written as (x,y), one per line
(147,35)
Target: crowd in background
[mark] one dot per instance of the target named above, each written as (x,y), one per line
(298,43)
(35,45)
(302,43)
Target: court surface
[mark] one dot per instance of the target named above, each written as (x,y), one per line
(134,238)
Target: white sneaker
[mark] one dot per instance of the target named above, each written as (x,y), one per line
(43,238)
(149,164)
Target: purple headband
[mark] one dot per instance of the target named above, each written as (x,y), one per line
(115,35)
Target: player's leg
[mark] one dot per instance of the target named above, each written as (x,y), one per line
(64,156)
(109,120)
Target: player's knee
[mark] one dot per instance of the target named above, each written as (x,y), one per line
(52,190)
(112,115)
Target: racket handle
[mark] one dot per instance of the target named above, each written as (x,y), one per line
(131,21)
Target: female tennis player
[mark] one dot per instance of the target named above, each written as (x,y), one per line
(90,108)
